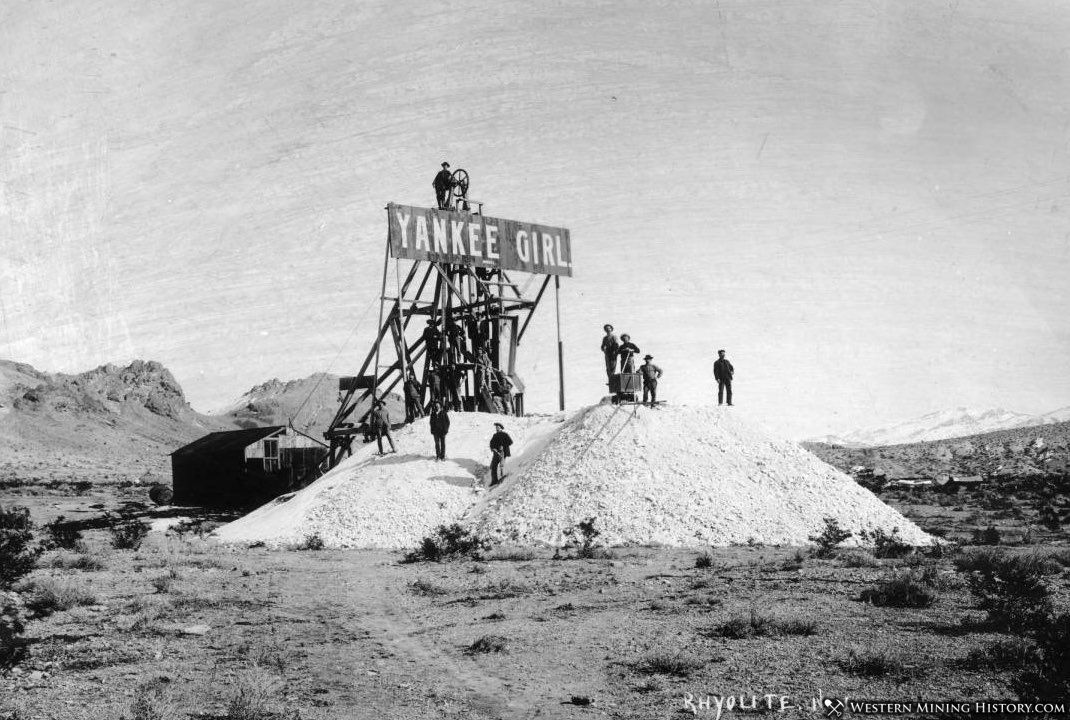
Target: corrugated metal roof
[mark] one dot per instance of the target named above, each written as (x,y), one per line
(221,443)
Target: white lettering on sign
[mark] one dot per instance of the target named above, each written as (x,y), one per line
(460,237)
(403,221)
(457,236)
(523,250)
(441,237)
(547,249)
(473,240)
(421,233)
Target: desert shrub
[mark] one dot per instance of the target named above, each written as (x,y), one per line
(704,561)
(1003,654)
(582,538)
(18,555)
(163,583)
(128,533)
(255,696)
(44,597)
(517,554)
(450,542)
(488,644)
(426,587)
(856,558)
(64,535)
(666,663)
(12,625)
(755,625)
(829,538)
(903,590)
(868,662)
(152,701)
(1049,517)
(884,544)
(987,536)
(312,541)
(1048,676)
(71,561)
(1009,588)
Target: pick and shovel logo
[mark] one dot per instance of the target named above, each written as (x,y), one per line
(833,707)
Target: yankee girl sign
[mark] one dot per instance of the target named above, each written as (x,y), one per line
(458,237)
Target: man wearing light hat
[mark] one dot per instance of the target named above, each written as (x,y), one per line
(443,183)
(499,445)
(722,372)
(650,373)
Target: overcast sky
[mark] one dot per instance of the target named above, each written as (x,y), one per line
(865,203)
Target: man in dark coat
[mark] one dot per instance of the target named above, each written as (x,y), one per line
(440,425)
(413,398)
(722,372)
(627,352)
(443,184)
(610,346)
(499,446)
(379,422)
(433,341)
(650,373)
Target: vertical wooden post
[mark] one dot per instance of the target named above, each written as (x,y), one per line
(382,304)
(560,345)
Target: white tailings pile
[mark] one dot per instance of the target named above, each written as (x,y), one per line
(675,475)
(678,476)
(393,501)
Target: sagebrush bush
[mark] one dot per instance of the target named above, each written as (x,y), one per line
(1048,676)
(830,537)
(12,625)
(488,644)
(884,544)
(903,590)
(18,554)
(582,537)
(1003,654)
(79,561)
(63,535)
(987,536)
(856,558)
(868,662)
(450,542)
(44,597)
(128,533)
(755,625)
(665,663)
(1010,588)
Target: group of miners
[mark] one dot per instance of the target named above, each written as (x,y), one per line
(378,425)
(624,352)
(494,389)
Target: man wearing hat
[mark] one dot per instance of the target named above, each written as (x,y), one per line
(440,425)
(499,445)
(610,346)
(722,372)
(650,373)
(379,422)
(433,340)
(627,352)
(443,184)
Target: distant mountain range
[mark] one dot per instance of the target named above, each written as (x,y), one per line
(943,425)
(123,421)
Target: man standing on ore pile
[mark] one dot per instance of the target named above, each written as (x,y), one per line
(610,345)
(440,425)
(650,373)
(499,445)
(443,183)
(722,372)
(379,422)
(627,351)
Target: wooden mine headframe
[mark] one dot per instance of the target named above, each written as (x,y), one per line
(454,320)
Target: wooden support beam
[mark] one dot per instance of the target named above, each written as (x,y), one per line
(545,284)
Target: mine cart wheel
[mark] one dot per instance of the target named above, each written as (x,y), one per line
(460,183)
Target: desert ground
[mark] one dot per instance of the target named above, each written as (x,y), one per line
(184,627)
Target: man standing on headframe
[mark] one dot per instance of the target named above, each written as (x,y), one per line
(443,185)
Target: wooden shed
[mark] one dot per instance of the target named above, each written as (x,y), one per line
(240,468)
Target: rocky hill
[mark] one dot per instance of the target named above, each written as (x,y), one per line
(1017,451)
(111,422)
(310,403)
